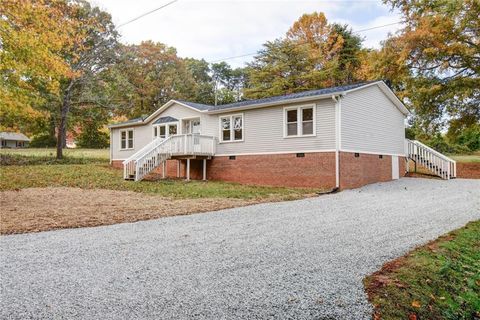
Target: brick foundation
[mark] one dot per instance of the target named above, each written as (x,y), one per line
(313,170)
(366,168)
(117,164)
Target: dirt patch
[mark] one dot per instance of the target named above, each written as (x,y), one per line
(41,209)
(468,170)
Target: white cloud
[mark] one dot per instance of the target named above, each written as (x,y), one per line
(217,29)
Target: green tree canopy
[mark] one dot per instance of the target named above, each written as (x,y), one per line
(314,54)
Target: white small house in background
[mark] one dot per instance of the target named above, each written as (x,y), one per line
(13,140)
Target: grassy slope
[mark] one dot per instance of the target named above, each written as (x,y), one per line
(89,169)
(440,280)
(102,176)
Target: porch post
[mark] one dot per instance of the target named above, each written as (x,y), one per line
(188,169)
(204,169)
(163,169)
(178,168)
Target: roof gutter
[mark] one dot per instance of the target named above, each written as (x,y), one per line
(275,103)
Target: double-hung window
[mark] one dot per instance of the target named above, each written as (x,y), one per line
(299,121)
(231,128)
(126,139)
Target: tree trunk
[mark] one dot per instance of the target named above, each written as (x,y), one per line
(62,128)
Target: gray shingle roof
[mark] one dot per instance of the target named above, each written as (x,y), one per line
(165,120)
(297,95)
(13,136)
(128,121)
(205,107)
(198,106)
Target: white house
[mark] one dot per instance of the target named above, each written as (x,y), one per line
(340,137)
(13,140)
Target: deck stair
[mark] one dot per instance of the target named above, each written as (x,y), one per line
(154,154)
(436,163)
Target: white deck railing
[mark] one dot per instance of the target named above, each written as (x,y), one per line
(435,162)
(159,150)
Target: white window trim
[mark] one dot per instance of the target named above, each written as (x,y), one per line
(126,141)
(167,125)
(232,134)
(299,122)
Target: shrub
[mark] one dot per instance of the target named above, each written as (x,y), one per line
(470,138)
(439,143)
(93,138)
(43,141)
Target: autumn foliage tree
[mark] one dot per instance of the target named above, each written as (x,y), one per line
(314,54)
(33,36)
(435,63)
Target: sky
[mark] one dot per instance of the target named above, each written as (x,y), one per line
(215,30)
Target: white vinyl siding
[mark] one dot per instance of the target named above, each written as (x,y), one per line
(370,122)
(264,131)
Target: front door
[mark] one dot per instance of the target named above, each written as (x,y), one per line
(395,168)
(193,126)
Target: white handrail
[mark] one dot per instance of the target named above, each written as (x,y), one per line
(438,154)
(432,160)
(154,143)
(158,151)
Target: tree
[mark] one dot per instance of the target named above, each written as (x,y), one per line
(228,83)
(440,48)
(314,54)
(33,35)
(203,83)
(156,74)
(93,50)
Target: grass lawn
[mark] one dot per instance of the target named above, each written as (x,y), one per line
(102,176)
(35,156)
(475,157)
(440,280)
(51,153)
(38,193)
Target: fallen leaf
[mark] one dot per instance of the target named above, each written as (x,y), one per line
(412,317)
(416,304)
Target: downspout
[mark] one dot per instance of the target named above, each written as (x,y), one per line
(111,145)
(338,104)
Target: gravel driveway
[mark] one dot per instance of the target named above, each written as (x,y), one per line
(292,260)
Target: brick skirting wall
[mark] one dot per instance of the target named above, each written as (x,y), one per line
(468,170)
(366,168)
(315,170)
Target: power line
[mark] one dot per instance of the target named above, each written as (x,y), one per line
(303,43)
(378,27)
(146,13)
